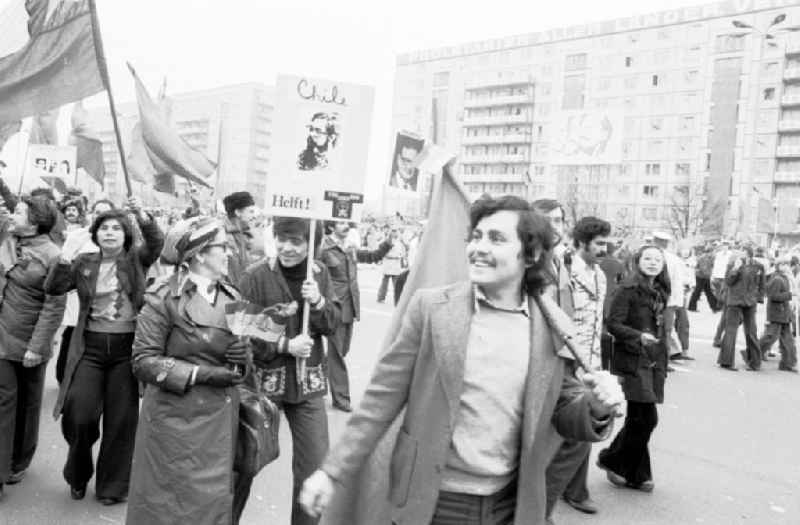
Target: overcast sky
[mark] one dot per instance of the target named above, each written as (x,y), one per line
(207,43)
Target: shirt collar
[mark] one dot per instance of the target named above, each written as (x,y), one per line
(480,298)
(203,283)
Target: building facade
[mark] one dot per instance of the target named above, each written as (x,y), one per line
(231,125)
(686,119)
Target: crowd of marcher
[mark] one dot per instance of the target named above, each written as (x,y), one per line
(136,305)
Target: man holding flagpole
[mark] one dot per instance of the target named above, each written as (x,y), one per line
(482,413)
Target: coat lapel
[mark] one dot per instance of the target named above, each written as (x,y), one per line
(450,325)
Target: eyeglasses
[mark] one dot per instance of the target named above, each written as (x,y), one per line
(317,131)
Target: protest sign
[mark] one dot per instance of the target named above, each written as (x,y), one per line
(320,142)
(54,165)
(405,174)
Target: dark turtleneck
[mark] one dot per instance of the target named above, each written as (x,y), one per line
(295,275)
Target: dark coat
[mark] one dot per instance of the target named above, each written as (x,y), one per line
(636,309)
(29,313)
(779,295)
(745,286)
(81,275)
(185,442)
(419,380)
(342,264)
(264,284)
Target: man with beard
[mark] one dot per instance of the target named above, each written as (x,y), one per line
(322,137)
(342,260)
(567,474)
(405,174)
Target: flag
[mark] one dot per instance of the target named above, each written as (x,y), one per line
(167,151)
(44,128)
(61,62)
(88,145)
(441,260)
(246,319)
(7,130)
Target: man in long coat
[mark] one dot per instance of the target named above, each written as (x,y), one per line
(483,412)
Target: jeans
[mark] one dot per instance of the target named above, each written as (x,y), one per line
(735,316)
(384,287)
(567,473)
(63,352)
(20,405)
(453,508)
(777,332)
(628,455)
(103,386)
(703,286)
(399,284)
(339,346)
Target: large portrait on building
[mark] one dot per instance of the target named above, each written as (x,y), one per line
(587,137)
(405,174)
(320,142)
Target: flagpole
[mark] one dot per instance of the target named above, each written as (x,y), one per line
(101,61)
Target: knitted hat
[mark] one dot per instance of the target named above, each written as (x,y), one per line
(237,200)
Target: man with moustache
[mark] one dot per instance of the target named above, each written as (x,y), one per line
(342,260)
(485,394)
(568,471)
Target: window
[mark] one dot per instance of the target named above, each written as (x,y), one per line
(663,34)
(729,43)
(628,61)
(603,84)
(692,76)
(575,62)
(769,94)
(770,69)
(649,214)
(630,82)
(652,169)
(687,123)
(683,169)
(574,87)
(441,79)
(649,190)
(655,80)
(656,124)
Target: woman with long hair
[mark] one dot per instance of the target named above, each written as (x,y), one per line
(29,318)
(98,380)
(640,360)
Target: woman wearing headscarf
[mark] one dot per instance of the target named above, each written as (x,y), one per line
(640,359)
(98,381)
(29,317)
(190,362)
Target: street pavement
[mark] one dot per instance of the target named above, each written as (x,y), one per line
(725,451)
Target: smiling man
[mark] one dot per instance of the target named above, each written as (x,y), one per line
(485,394)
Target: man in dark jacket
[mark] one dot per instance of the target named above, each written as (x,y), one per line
(779,320)
(705,262)
(293,368)
(744,281)
(342,263)
(240,209)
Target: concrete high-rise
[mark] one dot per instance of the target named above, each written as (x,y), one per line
(686,120)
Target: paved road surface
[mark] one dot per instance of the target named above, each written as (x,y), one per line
(725,451)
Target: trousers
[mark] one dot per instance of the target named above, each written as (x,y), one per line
(453,508)
(20,406)
(676,319)
(703,286)
(734,316)
(567,473)
(103,387)
(338,348)
(628,455)
(781,332)
(384,286)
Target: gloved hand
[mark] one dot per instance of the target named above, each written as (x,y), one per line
(239,353)
(220,376)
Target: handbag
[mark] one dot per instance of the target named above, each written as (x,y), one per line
(257,442)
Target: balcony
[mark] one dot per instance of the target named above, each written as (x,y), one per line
(792,74)
(790,100)
(498,120)
(788,151)
(498,139)
(789,125)
(793,47)
(519,158)
(494,178)
(787,177)
(489,102)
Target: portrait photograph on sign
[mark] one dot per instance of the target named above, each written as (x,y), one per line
(321,138)
(405,174)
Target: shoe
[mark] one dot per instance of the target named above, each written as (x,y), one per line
(15,477)
(111,501)
(1,491)
(344,407)
(771,354)
(686,357)
(77,493)
(586,506)
(788,369)
(743,353)
(613,477)
(729,368)
(645,486)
